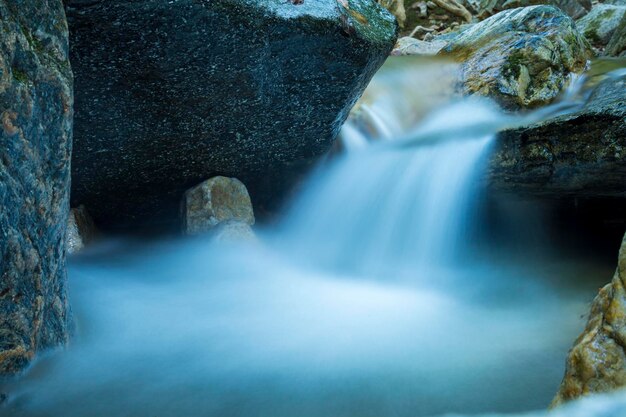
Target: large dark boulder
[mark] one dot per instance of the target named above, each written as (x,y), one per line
(578,155)
(35,136)
(169,94)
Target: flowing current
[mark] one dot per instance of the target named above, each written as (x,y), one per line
(375,296)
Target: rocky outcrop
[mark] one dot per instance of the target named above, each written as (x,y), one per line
(521,57)
(216,202)
(601,23)
(171,93)
(581,154)
(81,230)
(617,45)
(36,116)
(597,362)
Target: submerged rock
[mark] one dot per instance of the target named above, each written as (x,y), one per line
(35,135)
(597,362)
(521,57)
(581,154)
(81,229)
(170,93)
(216,201)
(601,23)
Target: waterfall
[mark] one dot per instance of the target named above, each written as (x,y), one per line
(359,303)
(384,209)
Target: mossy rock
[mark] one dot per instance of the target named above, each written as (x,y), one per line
(521,57)
(601,23)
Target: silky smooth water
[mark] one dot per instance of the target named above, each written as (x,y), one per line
(369,299)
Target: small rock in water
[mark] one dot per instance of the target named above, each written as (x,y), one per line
(597,362)
(80,229)
(521,57)
(213,202)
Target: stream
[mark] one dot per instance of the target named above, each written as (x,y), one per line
(384,290)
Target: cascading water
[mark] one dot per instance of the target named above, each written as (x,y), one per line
(383,210)
(357,306)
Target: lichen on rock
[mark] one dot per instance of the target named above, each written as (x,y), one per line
(601,23)
(520,57)
(36,105)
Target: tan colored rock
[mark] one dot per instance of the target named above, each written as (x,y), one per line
(81,230)
(215,201)
(597,362)
(521,57)
(411,46)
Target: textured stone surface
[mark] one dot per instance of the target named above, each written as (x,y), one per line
(81,230)
(171,93)
(215,201)
(582,154)
(597,362)
(600,24)
(617,45)
(36,117)
(520,57)
(573,8)
(412,46)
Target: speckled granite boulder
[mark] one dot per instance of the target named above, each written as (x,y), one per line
(214,201)
(171,93)
(36,117)
(520,57)
(581,154)
(597,362)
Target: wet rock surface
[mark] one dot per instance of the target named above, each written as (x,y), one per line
(520,57)
(597,361)
(412,46)
(581,154)
(36,117)
(171,93)
(216,201)
(81,230)
(601,23)
(617,45)
(573,8)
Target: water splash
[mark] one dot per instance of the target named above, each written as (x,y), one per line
(384,210)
